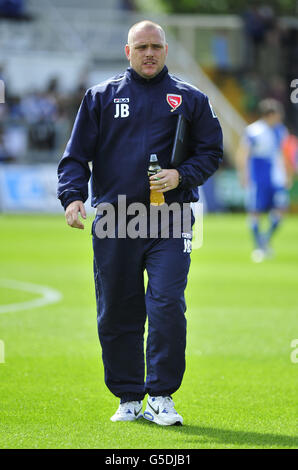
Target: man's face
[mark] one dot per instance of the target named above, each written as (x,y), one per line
(277,118)
(147,52)
(274,118)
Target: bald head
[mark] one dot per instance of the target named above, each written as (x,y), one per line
(146,48)
(145,25)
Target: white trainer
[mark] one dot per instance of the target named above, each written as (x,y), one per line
(128,411)
(160,410)
(258,255)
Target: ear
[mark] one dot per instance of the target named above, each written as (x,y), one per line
(127,51)
(166,47)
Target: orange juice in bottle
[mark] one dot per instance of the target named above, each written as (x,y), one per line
(156,199)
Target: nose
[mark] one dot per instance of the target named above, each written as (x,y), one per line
(149,51)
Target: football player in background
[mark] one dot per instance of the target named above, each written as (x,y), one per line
(264,174)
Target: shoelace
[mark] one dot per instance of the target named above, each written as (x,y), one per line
(128,406)
(166,403)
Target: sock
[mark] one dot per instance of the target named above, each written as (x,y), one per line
(275,220)
(255,229)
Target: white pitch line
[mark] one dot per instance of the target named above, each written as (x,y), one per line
(49,295)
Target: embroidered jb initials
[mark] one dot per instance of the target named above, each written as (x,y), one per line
(187,246)
(122,107)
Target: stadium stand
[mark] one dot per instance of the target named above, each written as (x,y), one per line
(78,45)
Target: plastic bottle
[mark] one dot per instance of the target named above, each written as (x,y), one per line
(156,199)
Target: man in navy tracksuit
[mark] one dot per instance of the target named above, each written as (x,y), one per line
(119,124)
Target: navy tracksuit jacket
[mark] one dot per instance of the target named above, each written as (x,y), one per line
(119,124)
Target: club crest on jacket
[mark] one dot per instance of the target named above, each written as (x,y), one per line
(174,101)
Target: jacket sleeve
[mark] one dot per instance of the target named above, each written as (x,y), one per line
(73,168)
(206,146)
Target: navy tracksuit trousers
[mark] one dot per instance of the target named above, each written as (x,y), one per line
(122,308)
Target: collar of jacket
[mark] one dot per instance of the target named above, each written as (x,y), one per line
(151,81)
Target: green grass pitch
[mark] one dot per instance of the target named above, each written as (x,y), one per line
(240,385)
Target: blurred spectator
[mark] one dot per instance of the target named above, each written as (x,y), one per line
(63,125)
(14,130)
(15,141)
(129,5)
(36,126)
(270,63)
(42,134)
(37,106)
(258,19)
(278,89)
(254,87)
(15,9)
(2,73)
(3,77)
(4,153)
(75,100)
(40,111)
(290,150)
(290,47)
(52,88)
(220,49)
